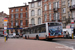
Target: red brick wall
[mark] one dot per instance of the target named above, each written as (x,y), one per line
(52,11)
(24,15)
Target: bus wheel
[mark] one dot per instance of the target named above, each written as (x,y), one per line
(51,39)
(37,37)
(46,38)
(25,37)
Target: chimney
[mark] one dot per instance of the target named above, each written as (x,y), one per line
(32,0)
(25,4)
(2,12)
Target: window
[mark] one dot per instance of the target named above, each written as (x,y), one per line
(21,9)
(45,17)
(64,18)
(12,16)
(16,23)
(50,6)
(32,13)
(64,10)
(39,20)
(39,11)
(73,2)
(56,5)
(45,0)
(68,14)
(26,22)
(68,3)
(21,22)
(32,21)
(11,23)
(50,17)
(16,15)
(16,10)
(63,3)
(21,15)
(56,16)
(64,25)
(45,7)
(32,5)
(26,8)
(11,10)
(39,3)
(26,14)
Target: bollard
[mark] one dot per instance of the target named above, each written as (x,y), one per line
(5,38)
(72,35)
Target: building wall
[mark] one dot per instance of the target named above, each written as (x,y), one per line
(36,16)
(67,15)
(48,11)
(2,16)
(14,19)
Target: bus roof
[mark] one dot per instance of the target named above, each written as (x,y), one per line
(40,24)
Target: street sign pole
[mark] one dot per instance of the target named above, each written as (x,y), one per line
(5,27)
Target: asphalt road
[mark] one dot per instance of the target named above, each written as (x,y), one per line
(23,44)
(66,42)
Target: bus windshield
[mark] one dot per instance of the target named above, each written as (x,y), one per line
(55,29)
(54,24)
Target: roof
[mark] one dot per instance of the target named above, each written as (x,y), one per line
(34,1)
(3,14)
(18,6)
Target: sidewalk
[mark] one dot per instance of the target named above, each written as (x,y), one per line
(22,44)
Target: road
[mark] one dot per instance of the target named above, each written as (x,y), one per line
(66,42)
(23,44)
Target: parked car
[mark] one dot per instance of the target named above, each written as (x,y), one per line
(1,34)
(10,36)
(13,35)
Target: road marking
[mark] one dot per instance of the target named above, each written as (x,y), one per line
(66,47)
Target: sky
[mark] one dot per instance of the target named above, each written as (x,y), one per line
(6,4)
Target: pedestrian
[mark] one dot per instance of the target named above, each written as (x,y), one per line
(6,36)
(67,34)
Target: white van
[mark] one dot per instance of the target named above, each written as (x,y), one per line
(69,31)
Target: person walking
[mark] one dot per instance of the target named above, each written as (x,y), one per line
(67,34)
(6,36)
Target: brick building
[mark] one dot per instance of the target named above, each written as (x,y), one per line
(51,11)
(2,16)
(18,18)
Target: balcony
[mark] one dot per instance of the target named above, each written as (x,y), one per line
(72,7)
(55,9)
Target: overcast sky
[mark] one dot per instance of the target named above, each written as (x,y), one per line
(5,4)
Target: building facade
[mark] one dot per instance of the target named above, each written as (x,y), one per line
(18,18)
(72,9)
(35,12)
(2,16)
(66,13)
(51,11)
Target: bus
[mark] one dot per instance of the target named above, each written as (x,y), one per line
(48,31)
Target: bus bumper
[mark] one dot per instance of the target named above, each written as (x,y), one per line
(56,36)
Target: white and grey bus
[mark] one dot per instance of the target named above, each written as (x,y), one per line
(47,30)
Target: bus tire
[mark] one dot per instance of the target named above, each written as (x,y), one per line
(46,38)
(37,37)
(25,37)
(50,39)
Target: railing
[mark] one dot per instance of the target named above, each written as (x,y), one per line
(55,9)
(72,7)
